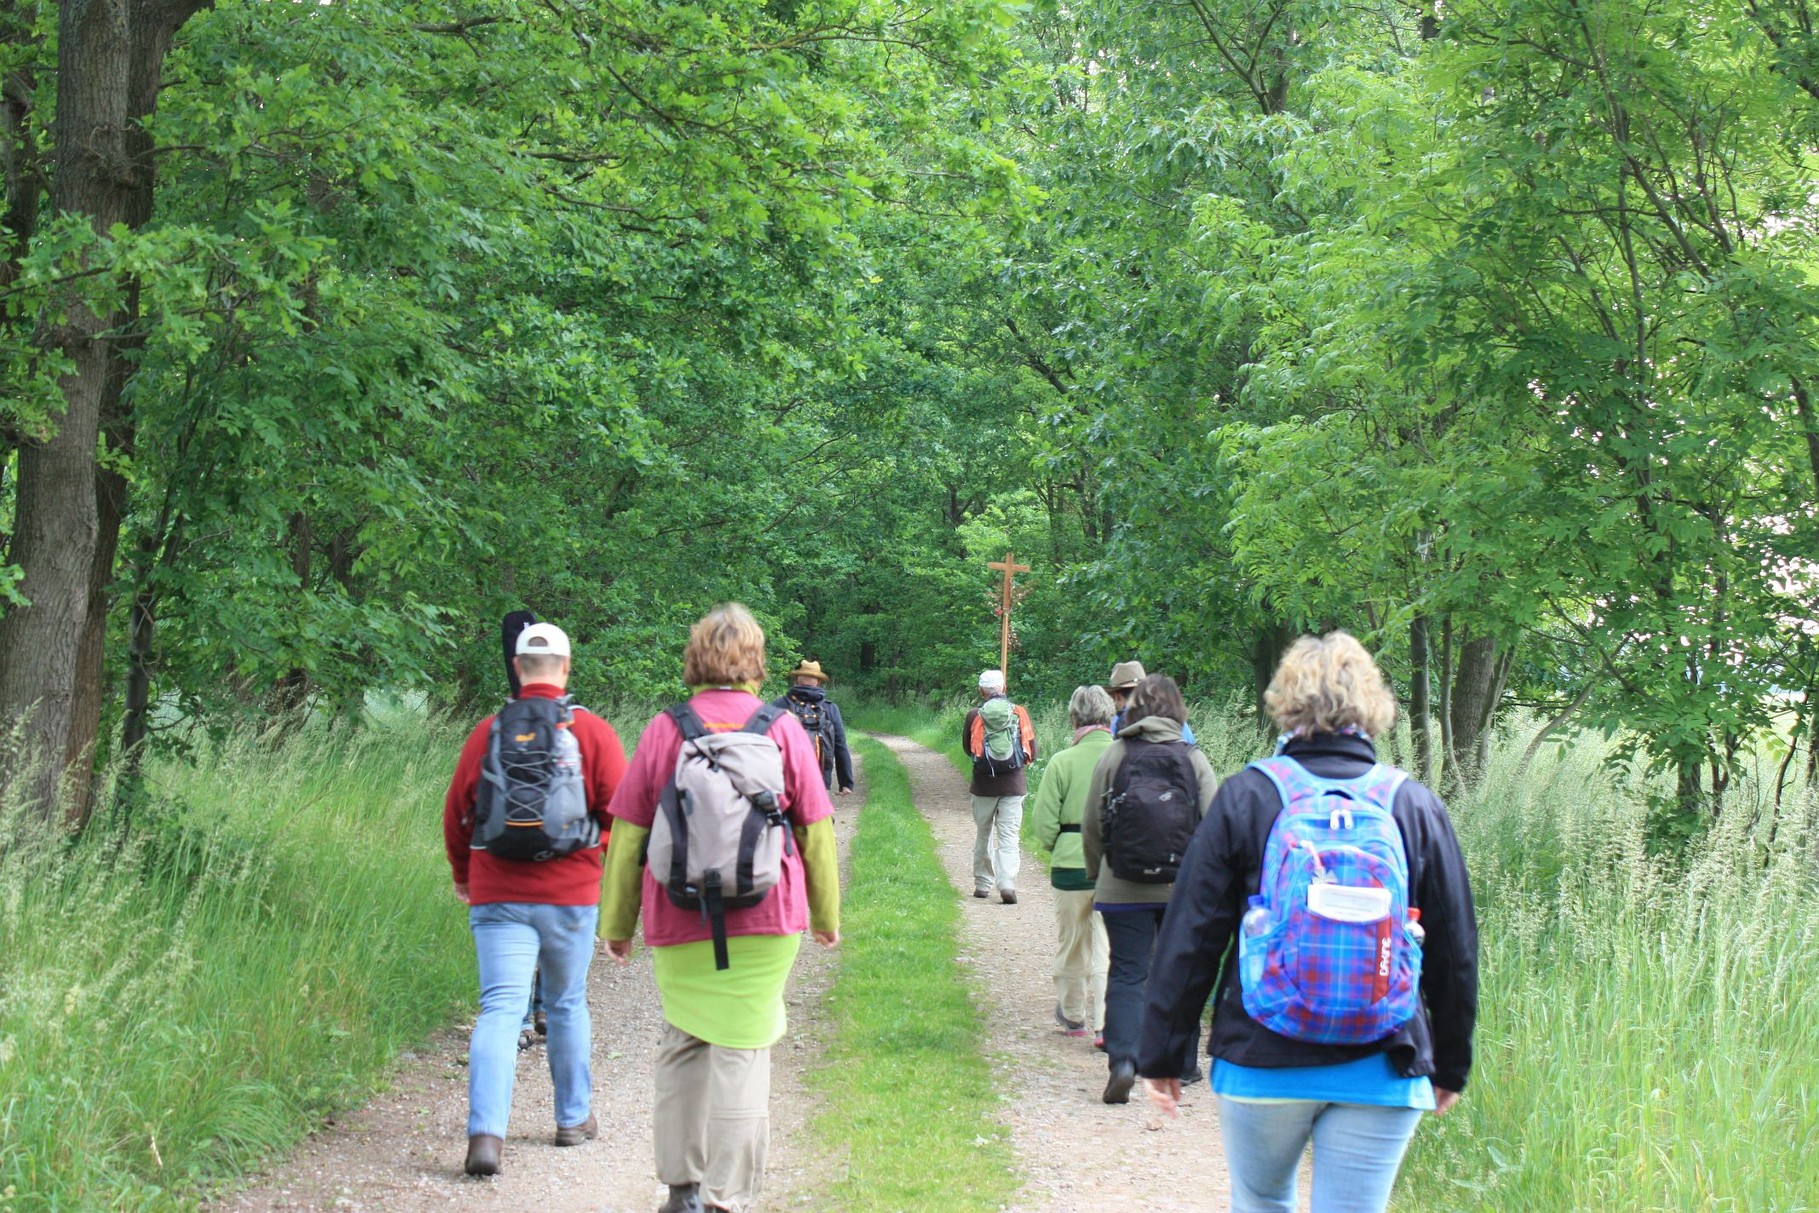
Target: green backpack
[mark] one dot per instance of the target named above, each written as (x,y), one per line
(1001,748)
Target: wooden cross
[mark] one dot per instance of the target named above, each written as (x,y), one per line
(1011,568)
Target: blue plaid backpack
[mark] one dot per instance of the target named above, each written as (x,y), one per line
(1329,951)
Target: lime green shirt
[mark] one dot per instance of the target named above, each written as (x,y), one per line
(739,1007)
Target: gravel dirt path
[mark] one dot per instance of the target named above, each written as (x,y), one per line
(402,1152)
(1076,1154)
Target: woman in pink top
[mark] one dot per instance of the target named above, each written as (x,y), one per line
(712,1077)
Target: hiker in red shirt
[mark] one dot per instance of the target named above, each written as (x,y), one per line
(525,822)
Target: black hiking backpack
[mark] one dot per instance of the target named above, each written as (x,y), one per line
(817,717)
(1151,811)
(532,802)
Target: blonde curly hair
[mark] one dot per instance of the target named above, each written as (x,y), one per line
(725,648)
(1329,683)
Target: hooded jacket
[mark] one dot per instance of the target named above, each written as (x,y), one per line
(1224,868)
(839,763)
(1109,892)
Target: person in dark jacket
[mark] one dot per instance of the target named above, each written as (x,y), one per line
(1359,1103)
(807,700)
(1133,910)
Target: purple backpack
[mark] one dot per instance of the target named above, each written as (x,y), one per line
(1329,951)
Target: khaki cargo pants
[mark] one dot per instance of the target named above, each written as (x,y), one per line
(712,1121)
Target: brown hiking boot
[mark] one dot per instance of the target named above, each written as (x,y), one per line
(483,1154)
(574,1135)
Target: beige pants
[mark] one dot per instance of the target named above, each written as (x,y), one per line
(1081,956)
(995,855)
(713,1120)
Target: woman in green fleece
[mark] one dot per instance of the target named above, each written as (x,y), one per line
(1080,947)
(712,1075)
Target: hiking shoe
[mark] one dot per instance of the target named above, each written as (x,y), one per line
(1069,1027)
(574,1135)
(1118,1086)
(683,1198)
(1193,1076)
(541,1023)
(1099,1041)
(527,1040)
(483,1154)
(982,893)
(1009,896)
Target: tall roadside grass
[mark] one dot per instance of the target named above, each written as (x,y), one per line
(179,1000)
(906,1089)
(1647,1024)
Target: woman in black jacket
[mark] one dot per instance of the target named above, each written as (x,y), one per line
(1358,1101)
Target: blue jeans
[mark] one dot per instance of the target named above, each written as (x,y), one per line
(515,940)
(1131,936)
(1357,1151)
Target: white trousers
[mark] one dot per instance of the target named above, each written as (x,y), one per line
(995,855)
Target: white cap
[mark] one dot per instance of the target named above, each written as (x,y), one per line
(543,639)
(991,680)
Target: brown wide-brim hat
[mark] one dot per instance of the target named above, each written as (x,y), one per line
(810,669)
(1125,676)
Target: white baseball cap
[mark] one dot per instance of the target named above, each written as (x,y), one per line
(991,680)
(543,639)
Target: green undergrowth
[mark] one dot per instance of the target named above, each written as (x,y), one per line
(906,1091)
(181,999)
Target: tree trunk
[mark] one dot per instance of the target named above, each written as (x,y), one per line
(1689,788)
(1506,659)
(54,543)
(1267,647)
(90,696)
(1558,722)
(1448,753)
(1473,702)
(1420,698)
(109,56)
(141,632)
(293,688)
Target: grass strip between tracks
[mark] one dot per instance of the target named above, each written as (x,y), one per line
(907,1091)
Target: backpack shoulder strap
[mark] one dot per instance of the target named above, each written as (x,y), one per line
(1385,782)
(762,720)
(1121,777)
(1284,773)
(687,722)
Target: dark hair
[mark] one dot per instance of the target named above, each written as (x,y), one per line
(1156,695)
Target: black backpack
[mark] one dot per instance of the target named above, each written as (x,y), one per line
(532,801)
(817,719)
(1151,811)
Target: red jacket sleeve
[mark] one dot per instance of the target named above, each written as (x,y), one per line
(458,806)
(602,765)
